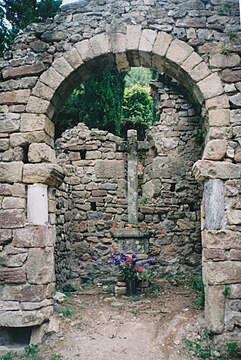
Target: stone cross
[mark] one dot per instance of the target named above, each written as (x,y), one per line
(132,146)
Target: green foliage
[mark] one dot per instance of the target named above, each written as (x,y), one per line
(203,347)
(232,35)
(226,291)
(139,76)
(7,356)
(197,285)
(97,102)
(233,349)
(137,110)
(17,14)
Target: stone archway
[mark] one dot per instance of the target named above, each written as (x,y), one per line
(27,280)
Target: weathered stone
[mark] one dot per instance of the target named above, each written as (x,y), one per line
(204,169)
(215,255)
(11,172)
(31,236)
(13,203)
(21,139)
(28,292)
(12,219)
(40,266)
(147,40)
(215,150)
(4,144)
(15,97)
(5,236)
(73,58)
(40,153)
(233,217)
(34,69)
(26,318)
(219,117)
(221,273)
(133,35)
(237,156)
(236,100)
(215,308)
(231,76)
(219,102)
(100,44)
(40,106)
(219,132)
(32,122)
(235,117)
(12,276)
(62,66)
(43,91)
(211,86)
(178,51)
(85,50)
(224,61)
(235,291)
(12,260)
(191,62)
(214,204)
(200,72)
(9,122)
(221,239)
(44,173)
(52,78)
(111,169)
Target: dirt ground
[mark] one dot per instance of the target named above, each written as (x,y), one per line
(97,325)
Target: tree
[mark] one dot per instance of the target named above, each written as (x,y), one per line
(17,14)
(97,102)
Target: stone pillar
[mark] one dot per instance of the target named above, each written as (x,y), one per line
(132,177)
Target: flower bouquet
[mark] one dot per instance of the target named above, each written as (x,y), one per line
(131,269)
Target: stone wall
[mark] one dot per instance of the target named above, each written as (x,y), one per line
(195,42)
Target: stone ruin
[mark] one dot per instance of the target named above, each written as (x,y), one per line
(67,199)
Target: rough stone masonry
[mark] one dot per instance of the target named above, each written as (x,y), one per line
(196,43)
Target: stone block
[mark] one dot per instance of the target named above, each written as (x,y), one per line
(215,308)
(52,78)
(62,66)
(235,116)
(162,43)
(10,219)
(110,169)
(12,260)
(219,132)
(147,40)
(224,61)
(13,203)
(122,62)
(233,217)
(219,117)
(100,44)
(218,102)
(40,152)
(73,58)
(235,291)
(167,167)
(191,62)
(20,139)
(5,236)
(221,239)
(37,201)
(200,72)
(4,144)
(40,106)
(43,91)
(25,318)
(133,35)
(237,156)
(9,306)
(118,42)
(28,292)
(215,150)
(44,173)
(33,122)
(223,273)
(40,266)
(85,50)
(12,276)
(20,71)
(9,122)
(14,97)
(31,236)
(178,51)
(11,172)
(206,169)
(215,255)
(211,86)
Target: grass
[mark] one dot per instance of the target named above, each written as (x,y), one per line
(31,352)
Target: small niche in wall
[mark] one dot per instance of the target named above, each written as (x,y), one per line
(15,336)
(25,153)
(82,154)
(93,206)
(173,187)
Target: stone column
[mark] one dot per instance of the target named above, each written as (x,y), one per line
(132,177)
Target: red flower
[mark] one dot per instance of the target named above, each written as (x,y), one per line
(139,269)
(128,260)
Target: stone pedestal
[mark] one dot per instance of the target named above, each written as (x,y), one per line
(132,240)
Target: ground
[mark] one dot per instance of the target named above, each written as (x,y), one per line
(97,325)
